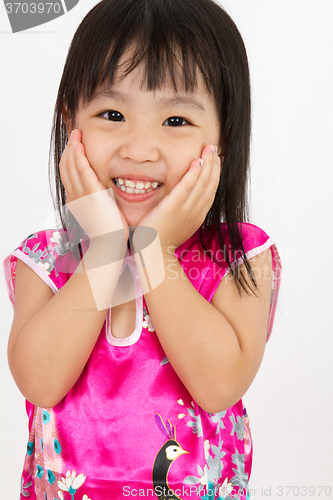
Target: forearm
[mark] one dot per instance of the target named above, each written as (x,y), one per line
(199,342)
(54,346)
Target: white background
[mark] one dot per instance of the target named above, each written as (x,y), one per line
(289,45)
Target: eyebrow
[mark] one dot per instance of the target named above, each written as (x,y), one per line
(165,102)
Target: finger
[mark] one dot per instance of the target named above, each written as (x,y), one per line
(215,170)
(74,186)
(63,170)
(182,190)
(206,184)
(208,154)
(84,173)
(82,177)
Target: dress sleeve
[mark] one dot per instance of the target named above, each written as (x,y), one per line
(41,252)
(255,241)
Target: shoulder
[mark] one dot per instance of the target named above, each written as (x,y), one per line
(212,279)
(252,237)
(48,254)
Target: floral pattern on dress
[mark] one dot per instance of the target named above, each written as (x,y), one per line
(211,481)
(43,465)
(218,444)
(147,322)
(71,483)
(49,259)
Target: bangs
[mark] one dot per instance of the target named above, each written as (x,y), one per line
(169,48)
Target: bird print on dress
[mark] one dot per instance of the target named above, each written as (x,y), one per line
(164,459)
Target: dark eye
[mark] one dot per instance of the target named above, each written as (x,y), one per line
(113,116)
(176,121)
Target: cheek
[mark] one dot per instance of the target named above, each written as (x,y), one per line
(177,169)
(95,150)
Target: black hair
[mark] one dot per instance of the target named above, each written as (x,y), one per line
(196,34)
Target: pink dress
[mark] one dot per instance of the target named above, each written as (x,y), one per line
(129,427)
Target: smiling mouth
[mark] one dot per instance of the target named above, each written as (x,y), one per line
(136,187)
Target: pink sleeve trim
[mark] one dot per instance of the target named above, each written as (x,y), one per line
(276,280)
(32,264)
(251,253)
(8,278)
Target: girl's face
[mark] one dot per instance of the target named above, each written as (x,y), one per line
(129,133)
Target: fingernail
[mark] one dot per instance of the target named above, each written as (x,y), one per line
(72,133)
(213,150)
(201,162)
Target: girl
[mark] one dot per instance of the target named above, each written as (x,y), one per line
(135,340)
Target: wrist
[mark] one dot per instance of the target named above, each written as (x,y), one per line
(105,249)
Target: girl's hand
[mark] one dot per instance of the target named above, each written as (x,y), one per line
(181,212)
(92,205)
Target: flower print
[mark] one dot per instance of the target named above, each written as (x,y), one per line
(62,244)
(181,403)
(24,487)
(206,447)
(60,495)
(215,464)
(34,253)
(240,478)
(47,266)
(225,489)
(85,497)
(217,419)
(237,427)
(147,323)
(196,425)
(36,256)
(56,237)
(201,481)
(164,361)
(71,482)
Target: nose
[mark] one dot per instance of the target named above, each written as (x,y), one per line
(140,145)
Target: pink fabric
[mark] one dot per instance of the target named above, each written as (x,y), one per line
(125,425)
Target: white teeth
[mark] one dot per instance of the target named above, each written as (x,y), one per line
(129,184)
(136,187)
